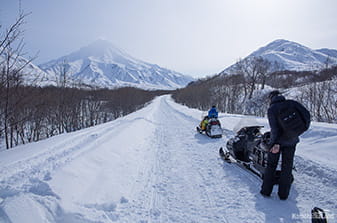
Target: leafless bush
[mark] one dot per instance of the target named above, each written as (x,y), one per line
(321,100)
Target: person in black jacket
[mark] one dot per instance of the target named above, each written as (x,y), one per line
(281,143)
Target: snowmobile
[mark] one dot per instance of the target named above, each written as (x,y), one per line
(213,128)
(249,149)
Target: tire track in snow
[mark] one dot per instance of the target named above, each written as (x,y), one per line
(221,186)
(176,188)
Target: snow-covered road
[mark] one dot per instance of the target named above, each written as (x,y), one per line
(152,166)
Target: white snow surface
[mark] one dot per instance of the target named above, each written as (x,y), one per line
(152,166)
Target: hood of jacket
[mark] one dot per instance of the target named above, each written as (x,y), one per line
(277,99)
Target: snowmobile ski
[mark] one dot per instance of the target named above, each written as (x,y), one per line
(249,149)
(225,155)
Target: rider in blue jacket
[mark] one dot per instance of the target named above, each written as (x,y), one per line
(212,113)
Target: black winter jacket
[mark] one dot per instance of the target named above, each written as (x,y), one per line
(277,134)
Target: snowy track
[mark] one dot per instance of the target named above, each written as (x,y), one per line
(152,166)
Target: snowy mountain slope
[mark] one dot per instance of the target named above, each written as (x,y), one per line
(294,56)
(31,74)
(330,52)
(152,166)
(101,64)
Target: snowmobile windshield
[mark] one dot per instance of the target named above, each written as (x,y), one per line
(244,122)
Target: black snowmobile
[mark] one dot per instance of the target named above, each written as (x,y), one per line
(213,128)
(249,148)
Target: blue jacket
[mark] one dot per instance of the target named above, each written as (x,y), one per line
(212,113)
(277,134)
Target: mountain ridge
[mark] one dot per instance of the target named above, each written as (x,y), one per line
(292,56)
(101,64)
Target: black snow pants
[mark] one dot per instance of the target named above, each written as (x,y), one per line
(286,172)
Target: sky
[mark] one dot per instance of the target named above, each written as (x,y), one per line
(194,37)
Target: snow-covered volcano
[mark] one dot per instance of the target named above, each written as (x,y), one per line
(101,64)
(294,56)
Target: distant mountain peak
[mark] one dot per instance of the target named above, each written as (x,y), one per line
(293,56)
(101,64)
(281,42)
(99,49)
(281,46)
(101,46)
(101,43)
